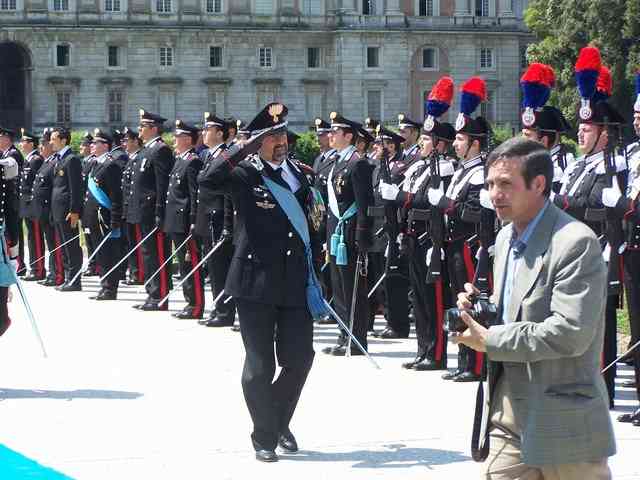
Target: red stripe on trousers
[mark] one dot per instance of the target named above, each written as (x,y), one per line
(59,267)
(439,321)
(35,225)
(197,280)
(161,259)
(139,261)
(470,268)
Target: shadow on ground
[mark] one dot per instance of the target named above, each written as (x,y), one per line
(395,456)
(12,393)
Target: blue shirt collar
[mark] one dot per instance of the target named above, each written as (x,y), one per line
(519,244)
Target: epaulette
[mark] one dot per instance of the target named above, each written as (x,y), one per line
(306,169)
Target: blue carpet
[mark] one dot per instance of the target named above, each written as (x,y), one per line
(14,466)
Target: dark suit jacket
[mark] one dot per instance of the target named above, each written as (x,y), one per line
(66,196)
(42,189)
(108,177)
(30,169)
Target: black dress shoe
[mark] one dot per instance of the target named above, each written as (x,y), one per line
(186,314)
(629,384)
(218,322)
(32,278)
(379,333)
(409,365)
(636,422)
(90,273)
(132,282)
(154,307)
(106,296)
(390,334)
(328,320)
(452,374)
(341,351)
(65,287)
(629,417)
(267,456)
(235,328)
(288,442)
(22,272)
(427,365)
(467,377)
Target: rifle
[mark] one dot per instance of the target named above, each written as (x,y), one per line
(486,234)
(391,226)
(436,225)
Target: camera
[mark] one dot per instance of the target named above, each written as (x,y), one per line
(482,311)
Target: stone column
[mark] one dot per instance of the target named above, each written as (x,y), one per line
(506,8)
(392,7)
(462,8)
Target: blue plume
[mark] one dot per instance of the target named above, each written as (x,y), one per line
(436,108)
(587,80)
(534,94)
(468,103)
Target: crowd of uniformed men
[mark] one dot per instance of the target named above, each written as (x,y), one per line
(404,217)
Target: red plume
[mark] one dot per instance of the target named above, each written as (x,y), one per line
(539,73)
(475,86)
(588,59)
(442,91)
(605,83)
(551,76)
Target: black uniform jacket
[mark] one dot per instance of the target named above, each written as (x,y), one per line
(127,176)
(9,204)
(66,195)
(42,189)
(381,239)
(149,182)
(210,196)
(182,193)
(351,180)
(269,264)
(120,157)
(30,168)
(107,174)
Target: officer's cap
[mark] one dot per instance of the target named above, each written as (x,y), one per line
(549,119)
(129,133)
(210,120)
(406,122)
(183,128)
(100,135)
(440,130)
(7,132)
(28,136)
(242,128)
(322,126)
(370,125)
(386,134)
(150,118)
(272,118)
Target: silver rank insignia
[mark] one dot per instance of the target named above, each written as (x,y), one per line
(429,123)
(528,117)
(585,109)
(461,121)
(266,205)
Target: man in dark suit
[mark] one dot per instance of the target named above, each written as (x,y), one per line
(103,212)
(66,205)
(35,238)
(42,189)
(268,278)
(146,207)
(180,217)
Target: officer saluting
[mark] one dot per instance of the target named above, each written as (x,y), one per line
(35,237)
(180,216)
(103,211)
(147,203)
(269,273)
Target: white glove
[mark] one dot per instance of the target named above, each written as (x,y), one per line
(552,195)
(10,167)
(389,191)
(435,195)
(612,194)
(485,199)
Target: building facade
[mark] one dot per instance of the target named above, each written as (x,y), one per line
(87,63)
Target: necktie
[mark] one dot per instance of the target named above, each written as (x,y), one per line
(277,174)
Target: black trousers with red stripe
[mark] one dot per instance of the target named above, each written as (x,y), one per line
(20,260)
(108,255)
(461,266)
(134,262)
(56,266)
(218,267)
(188,257)
(396,288)
(154,253)
(5,321)
(429,302)
(35,239)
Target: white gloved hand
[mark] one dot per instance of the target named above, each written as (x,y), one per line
(552,195)
(611,195)
(389,191)
(485,199)
(10,168)
(435,195)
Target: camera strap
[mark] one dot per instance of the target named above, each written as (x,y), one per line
(480,433)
